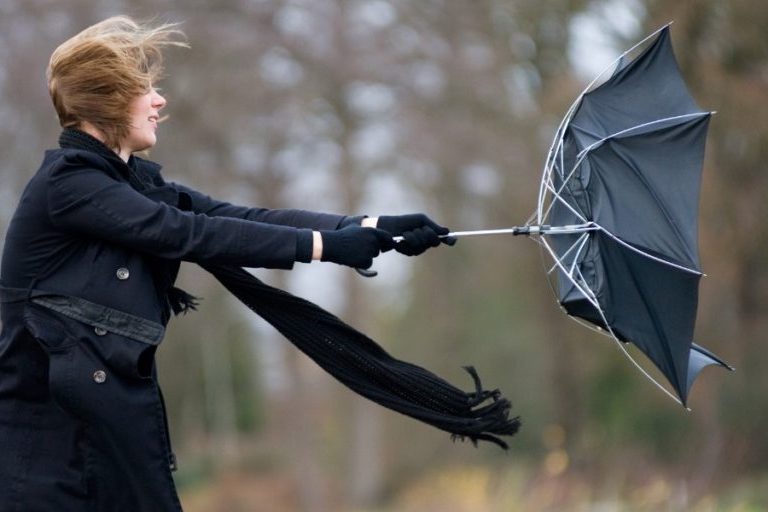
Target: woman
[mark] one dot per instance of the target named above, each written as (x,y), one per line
(87,276)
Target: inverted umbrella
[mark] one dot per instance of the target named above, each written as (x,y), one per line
(617,211)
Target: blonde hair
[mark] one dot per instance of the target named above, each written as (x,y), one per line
(96,74)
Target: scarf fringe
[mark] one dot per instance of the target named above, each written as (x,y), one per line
(367,369)
(182,302)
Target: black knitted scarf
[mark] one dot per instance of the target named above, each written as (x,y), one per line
(349,355)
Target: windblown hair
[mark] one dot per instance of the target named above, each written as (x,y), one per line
(96,74)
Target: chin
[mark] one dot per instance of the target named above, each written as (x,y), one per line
(146,145)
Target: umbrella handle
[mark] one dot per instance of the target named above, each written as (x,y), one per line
(366,272)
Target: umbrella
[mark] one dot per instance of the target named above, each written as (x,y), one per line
(617,211)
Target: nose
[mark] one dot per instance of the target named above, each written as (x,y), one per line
(158,101)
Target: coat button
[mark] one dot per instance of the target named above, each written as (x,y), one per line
(100,331)
(99,376)
(122,273)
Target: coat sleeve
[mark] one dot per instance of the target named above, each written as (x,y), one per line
(207,205)
(87,201)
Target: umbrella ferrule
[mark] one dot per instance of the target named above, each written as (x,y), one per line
(522,230)
(530,230)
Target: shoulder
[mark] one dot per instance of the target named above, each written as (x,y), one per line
(77,172)
(62,162)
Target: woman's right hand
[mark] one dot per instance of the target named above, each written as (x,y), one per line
(354,246)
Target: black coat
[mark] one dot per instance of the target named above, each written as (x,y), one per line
(87,269)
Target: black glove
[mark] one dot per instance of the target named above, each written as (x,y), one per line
(419,232)
(355,246)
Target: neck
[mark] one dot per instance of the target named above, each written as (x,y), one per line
(94,132)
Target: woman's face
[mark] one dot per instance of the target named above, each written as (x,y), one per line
(144,112)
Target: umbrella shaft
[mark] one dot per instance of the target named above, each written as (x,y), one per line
(516,230)
(521,230)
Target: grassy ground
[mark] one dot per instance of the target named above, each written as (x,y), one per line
(479,489)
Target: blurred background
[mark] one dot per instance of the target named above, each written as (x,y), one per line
(446,107)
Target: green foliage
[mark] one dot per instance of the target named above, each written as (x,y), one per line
(627,411)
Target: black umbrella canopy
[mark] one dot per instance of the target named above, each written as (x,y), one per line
(628,165)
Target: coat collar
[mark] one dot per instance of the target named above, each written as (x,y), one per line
(142,174)
(71,138)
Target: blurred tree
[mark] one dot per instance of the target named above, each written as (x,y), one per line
(483,91)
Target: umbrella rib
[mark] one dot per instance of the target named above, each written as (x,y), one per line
(583,244)
(555,149)
(647,254)
(583,153)
(665,346)
(556,194)
(586,151)
(555,152)
(548,183)
(592,298)
(612,65)
(560,133)
(642,370)
(581,241)
(661,207)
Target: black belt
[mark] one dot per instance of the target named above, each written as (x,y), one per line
(106,318)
